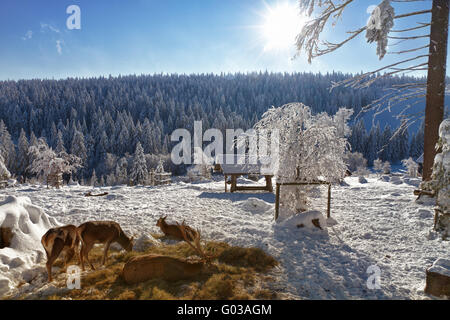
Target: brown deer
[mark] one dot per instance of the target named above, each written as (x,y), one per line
(146,267)
(105,232)
(173,230)
(57,240)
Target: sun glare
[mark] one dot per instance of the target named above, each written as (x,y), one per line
(281,25)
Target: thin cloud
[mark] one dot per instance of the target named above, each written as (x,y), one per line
(58,46)
(28,35)
(46,26)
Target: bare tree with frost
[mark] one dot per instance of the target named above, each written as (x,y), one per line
(380,29)
(311,147)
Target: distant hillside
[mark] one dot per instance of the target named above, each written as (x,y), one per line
(110,115)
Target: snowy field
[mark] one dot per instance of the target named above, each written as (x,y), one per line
(378,223)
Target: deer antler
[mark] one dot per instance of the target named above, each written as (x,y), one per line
(193,235)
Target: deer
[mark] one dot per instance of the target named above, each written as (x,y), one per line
(104,232)
(146,267)
(173,230)
(57,240)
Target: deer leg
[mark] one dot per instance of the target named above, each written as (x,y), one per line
(69,255)
(84,253)
(106,252)
(81,256)
(58,246)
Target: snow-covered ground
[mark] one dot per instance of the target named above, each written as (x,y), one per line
(378,223)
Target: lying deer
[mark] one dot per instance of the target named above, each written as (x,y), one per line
(146,267)
(55,241)
(105,232)
(173,230)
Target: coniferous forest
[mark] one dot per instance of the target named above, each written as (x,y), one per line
(101,120)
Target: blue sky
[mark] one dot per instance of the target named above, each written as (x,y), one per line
(169,36)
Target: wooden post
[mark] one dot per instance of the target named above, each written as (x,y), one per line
(233,182)
(269,183)
(225,183)
(277,201)
(329,201)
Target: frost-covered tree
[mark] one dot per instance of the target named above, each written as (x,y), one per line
(4,173)
(430,56)
(139,171)
(310,147)
(46,161)
(411,166)
(440,182)
(378,166)
(355,161)
(121,174)
(110,179)
(386,167)
(60,143)
(94,181)
(7,149)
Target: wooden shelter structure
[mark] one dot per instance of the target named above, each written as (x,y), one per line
(245,166)
(158,176)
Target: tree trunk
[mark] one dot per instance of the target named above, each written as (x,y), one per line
(434,110)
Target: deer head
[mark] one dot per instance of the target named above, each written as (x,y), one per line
(161,221)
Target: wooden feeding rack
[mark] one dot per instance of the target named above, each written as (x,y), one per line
(159,178)
(235,170)
(302,183)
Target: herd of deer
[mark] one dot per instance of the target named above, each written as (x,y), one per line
(140,268)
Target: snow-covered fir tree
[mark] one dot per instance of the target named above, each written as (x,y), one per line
(440,182)
(94,181)
(139,171)
(23,160)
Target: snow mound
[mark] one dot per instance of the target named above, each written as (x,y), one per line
(306,220)
(412,181)
(255,205)
(144,242)
(441,266)
(396,180)
(24,224)
(116,196)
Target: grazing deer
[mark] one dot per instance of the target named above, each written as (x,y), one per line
(104,232)
(146,267)
(173,230)
(55,241)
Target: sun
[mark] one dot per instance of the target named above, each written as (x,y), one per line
(281,25)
